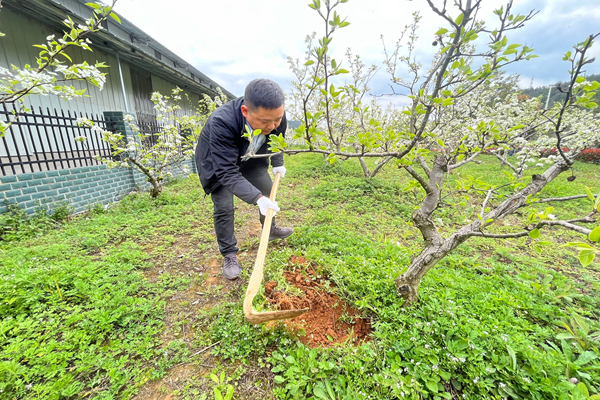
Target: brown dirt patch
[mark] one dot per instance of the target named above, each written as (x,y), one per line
(329,320)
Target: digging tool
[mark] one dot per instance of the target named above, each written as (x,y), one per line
(256,278)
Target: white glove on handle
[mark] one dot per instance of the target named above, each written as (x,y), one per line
(264,203)
(281,170)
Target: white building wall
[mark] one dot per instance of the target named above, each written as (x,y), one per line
(16,48)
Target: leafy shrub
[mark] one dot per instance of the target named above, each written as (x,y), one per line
(16,224)
(589,155)
(552,152)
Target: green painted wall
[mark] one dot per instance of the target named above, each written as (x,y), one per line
(82,187)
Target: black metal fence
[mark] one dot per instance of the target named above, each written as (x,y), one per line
(151,130)
(44,140)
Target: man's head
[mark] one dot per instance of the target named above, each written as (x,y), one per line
(263,105)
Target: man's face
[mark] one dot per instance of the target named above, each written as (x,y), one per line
(265,119)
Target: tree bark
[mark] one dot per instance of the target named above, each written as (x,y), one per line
(379,166)
(156,185)
(437,247)
(364,167)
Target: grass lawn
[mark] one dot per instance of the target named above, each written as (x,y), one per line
(129,302)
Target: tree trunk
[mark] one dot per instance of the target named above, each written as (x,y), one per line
(436,247)
(155,189)
(364,167)
(407,284)
(155,182)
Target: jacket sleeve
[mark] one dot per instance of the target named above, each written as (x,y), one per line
(277,159)
(225,154)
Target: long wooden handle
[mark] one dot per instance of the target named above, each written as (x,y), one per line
(257,274)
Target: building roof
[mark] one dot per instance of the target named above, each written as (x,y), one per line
(125,39)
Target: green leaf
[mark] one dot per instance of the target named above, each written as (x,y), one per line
(513,356)
(590,195)
(432,386)
(586,257)
(459,20)
(229,394)
(342,71)
(320,393)
(578,245)
(344,24)
(581,388)
(93,5)
(218,395)
(279,379)
(586,357)
(567,56)
(565,336)
(535,233)
(329,389)
(594,235)
(580,79)
(441,31)
(290,360)
(115,17)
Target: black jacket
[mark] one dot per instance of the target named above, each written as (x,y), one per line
(221,146)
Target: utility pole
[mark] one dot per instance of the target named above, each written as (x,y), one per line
(548,99)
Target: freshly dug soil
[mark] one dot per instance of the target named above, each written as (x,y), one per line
(329,320)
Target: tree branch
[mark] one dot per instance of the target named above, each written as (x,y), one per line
(418,177)
(460,164)
(548,200)
(568,224)
(424,165)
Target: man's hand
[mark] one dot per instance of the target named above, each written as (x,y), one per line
(264,203)
(281,170)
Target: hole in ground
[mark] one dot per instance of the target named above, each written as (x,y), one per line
(329,320)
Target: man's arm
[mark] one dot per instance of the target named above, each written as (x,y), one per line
(225,155)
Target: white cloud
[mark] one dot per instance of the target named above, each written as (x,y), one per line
(236,41)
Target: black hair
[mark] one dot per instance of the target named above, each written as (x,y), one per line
(263,93)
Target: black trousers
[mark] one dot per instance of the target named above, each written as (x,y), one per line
(224,211)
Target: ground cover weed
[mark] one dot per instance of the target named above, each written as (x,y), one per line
(77,315)
(494,320)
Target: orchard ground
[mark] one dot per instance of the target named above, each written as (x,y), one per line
(129,303)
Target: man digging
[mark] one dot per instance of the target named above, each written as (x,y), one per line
(226,168)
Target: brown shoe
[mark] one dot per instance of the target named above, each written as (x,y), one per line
(280,233)
(231,267)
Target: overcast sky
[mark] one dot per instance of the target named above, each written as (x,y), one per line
(235,41)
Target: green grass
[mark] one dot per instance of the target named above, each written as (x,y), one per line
(83,306)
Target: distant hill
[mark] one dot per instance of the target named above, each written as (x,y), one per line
(293,124)
(555,95)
